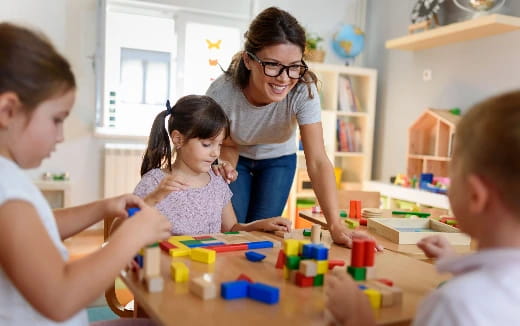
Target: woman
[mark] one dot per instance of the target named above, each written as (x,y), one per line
(267,92)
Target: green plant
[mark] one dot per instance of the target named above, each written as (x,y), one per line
(313,41)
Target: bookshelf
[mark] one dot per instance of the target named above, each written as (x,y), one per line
(457,32)
(353,160)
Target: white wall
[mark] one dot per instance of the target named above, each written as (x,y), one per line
(71,25)
(463,73)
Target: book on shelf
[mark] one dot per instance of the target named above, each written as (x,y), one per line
(349,137)
(346,97)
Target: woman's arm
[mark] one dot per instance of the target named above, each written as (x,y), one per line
(323,181)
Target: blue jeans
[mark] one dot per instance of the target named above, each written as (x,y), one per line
(262,187)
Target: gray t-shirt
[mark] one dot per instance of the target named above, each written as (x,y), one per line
(263,132)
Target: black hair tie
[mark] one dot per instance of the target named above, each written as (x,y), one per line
(169,109)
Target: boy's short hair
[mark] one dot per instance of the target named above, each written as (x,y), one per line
(487,141)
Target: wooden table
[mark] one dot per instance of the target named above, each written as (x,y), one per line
(405,249)
(175,305)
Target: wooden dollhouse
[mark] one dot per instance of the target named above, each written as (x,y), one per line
(430,142)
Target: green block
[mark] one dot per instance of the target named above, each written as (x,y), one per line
(357,273)
(342,213)
(232,232)
(318,280)
(190,242)
(293,262)
(207,239)
(306,233)
(153,245)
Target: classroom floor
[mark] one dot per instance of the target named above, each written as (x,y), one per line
(83,244)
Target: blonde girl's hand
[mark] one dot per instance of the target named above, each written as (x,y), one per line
(168,184)
(149,225)
(117,206)
(436,247)
(343,236)
(273,224)
(226,170)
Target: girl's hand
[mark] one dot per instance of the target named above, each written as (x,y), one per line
(116,206)
(345,301)
(341,235)
(226,170)
(167,185)
(148,225)
(273,224)
(436,247)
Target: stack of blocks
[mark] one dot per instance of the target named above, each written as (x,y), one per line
(354,216)
(380,293)
(303,263)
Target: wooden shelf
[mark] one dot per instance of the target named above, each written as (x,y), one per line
(456,32)
(418,196)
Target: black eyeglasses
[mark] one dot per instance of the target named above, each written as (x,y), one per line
(274,69)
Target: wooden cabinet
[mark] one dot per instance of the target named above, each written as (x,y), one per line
(348,97)
(57,193)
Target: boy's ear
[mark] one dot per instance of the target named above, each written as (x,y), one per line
(479,194)
(9,105)
(177,138)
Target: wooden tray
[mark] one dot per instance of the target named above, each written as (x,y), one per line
(410,231)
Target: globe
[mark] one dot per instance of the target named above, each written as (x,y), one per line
(348,42)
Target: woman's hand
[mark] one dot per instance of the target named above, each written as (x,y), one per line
(436,247)
(343,236)
(168,184)
(226,170)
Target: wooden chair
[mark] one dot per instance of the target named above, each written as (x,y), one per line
(110,293)
(369,199)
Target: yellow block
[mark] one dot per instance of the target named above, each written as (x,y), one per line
(322,266)
(179,252)
(290,247)
(286,272)
(179,271)
(180,238)
(203,255)
(374,297)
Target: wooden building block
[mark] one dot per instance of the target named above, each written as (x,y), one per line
(290,247)
(203,288)
(322,266)
(203,255)
(152,261)
(316,233)
(308,268)
(154,283)
(179,272)
(374,297)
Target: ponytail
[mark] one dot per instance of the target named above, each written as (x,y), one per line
(158,153)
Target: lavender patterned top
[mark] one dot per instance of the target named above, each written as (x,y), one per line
(191,211)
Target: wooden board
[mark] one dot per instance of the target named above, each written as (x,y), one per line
(410,231)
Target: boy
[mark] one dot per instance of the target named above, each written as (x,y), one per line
(485,185)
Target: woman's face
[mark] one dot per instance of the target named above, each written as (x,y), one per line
(262,89)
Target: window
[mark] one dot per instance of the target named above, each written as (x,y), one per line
(153,52)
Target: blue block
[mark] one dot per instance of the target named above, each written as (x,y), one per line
(234,290)
(264,293)
(362,287)
(307,250)
(260,244)
(132,210)
(319,252)
(254,256)
(139,260)
(196,245)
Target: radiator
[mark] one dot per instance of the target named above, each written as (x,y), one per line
(122,168)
